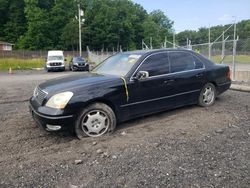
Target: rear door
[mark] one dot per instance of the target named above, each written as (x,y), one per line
(189,75)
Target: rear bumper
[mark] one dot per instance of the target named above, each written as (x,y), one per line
(51,123)
(223,87)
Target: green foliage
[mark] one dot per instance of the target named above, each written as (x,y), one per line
(12,20)
(109,24)
(158,26)
(51,24)
(69,36)
(20,64)
(201,36)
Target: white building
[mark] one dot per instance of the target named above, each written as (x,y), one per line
(5,46)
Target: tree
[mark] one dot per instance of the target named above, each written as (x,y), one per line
(37,35)
(12,22)
(158,26)
(69,37)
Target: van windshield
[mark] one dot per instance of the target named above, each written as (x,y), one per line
(52,58)
(119,64)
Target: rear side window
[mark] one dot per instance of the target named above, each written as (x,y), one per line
(198,63)
(182,61)
(156,64)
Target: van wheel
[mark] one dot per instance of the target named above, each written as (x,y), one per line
(95,120)
(207,95)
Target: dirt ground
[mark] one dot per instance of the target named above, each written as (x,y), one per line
(186,147)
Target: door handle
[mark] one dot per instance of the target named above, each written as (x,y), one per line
(199,75)
(168,81)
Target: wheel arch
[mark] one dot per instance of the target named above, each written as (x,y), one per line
(108,103)
(215,85)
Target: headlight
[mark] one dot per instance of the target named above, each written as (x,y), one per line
(59,100)
(35,92)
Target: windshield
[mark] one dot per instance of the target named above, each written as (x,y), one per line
(52,58)
(78,59)
(119,64)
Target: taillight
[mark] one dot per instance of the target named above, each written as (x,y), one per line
(229,74)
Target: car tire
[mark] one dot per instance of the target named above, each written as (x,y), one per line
(95,120)
(207,95)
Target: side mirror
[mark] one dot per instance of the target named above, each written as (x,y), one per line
(142,75)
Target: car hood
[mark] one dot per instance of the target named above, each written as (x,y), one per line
(68,83)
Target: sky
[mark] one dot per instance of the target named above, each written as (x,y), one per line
(194,14)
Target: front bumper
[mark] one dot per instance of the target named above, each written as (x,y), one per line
(51,123)
(55,67)
(77,67)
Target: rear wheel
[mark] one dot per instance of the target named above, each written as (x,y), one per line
(95,120)
(207,95)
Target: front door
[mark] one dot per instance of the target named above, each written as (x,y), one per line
(151,94)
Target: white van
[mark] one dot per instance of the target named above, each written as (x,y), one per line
(55,60)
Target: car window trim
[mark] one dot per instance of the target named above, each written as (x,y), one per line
(131,78)
(174,73)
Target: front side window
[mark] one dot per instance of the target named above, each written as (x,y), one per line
(156,64)
(183,61)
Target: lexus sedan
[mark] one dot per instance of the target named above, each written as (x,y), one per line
(78,63)
(125,86)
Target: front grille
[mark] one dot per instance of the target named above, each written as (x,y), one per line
(55,64)
(81,64)
(40,95)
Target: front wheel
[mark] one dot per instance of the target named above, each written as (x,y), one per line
(95,120)
(207,95)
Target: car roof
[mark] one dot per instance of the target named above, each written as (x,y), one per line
(147,52)
(78,57)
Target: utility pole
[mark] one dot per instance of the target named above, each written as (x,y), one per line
(223,47)
(151,47)
(173,40)
(209,43)
(234,49)
(80,14)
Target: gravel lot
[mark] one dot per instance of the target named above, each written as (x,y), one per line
(186,147)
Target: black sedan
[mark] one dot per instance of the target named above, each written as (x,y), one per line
(78,63)
(125,86)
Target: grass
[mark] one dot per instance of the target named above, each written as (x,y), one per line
(20,64)
(229,58)
(23,64)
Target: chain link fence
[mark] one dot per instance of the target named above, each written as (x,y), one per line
(219,52)
(223,52)
(26,54)
(98,57)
